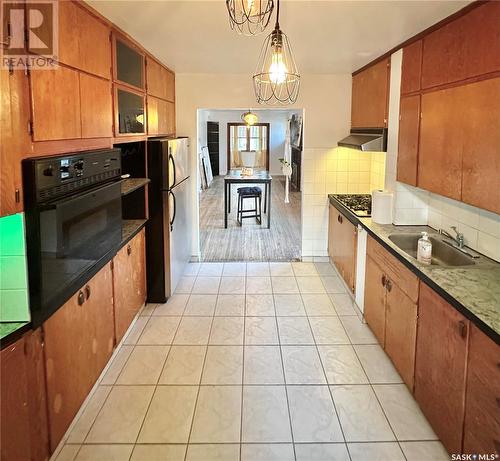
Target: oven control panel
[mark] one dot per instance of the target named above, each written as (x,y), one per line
(52,177)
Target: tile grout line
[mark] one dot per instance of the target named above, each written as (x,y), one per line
(201,374)
(325,375)
(284,380)
(243,365)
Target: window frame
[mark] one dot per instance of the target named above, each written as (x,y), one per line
(237,124)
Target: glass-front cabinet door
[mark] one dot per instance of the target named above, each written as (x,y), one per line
(129,64)
(130,113)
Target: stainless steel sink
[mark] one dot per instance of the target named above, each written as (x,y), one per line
(443,254)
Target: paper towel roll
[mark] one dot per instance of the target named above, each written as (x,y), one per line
(382,207)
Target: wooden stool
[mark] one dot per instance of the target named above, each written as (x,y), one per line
(249,192)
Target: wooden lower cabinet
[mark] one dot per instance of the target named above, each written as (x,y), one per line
(24,433)
(401,331)
(79,340)
(374,307)
(342,242)
(440,367)
(482,403)
(129,283)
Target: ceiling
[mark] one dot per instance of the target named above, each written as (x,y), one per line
(327,36)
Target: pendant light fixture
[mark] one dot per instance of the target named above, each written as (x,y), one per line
(250,118)
(277,79)
(249,17)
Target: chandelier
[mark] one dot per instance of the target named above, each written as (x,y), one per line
(277,79)
(250,118)
(249,17)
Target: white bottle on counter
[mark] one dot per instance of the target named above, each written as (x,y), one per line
(424,249)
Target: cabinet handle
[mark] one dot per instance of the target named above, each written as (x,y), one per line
(18,196)
(462,328)
(129,250)
(87,291)
(388,285)
(81,298)
(383,280)
(498,402)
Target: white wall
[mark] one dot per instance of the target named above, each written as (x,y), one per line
(326,100)
(277,118)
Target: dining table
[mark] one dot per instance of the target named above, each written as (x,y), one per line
(236,176)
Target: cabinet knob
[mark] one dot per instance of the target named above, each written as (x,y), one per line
(87,292)
(462,328)
(81,298)
(383,280)
(388,285)
(129,250)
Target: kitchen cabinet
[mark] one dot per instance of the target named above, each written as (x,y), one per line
(84,41)
(156,81)
(375,293)
(391,295)
(482,415)
(96,107)
(130,114)
(342,241)
(467,47)
(370,96)
(129,64)
(23,424)
(79,340)
(170,118)
(129,281)
(411,68)
(481,141)
(409,127)
(15,142)
(55,98)
(15,416)
(440,367)
(441,142)
(160,116)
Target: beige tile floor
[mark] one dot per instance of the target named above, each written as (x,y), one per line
(251,362)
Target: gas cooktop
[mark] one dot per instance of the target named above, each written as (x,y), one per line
(359,204)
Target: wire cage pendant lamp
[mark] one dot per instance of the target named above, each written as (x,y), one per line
(276,79)
(249,17)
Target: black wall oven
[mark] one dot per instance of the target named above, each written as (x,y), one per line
(73,221)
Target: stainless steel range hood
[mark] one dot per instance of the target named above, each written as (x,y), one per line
(366,139)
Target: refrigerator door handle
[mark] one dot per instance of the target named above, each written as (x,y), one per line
(171,158)
(174,201)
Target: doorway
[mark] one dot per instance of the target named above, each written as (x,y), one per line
(254,139)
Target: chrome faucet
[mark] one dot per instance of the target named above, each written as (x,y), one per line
(459,239)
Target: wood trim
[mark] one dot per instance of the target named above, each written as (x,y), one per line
(230,124)
(466,9)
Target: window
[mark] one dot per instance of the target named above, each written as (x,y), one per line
(248,138)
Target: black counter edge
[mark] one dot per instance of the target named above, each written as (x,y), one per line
(492,334)
(16,334)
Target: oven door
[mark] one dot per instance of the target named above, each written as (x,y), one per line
(74,234)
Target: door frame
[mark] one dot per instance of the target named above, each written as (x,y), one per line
(230,124)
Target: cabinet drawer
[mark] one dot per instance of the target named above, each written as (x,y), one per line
(406,280)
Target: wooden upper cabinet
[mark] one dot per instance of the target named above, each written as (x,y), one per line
(440,369)
(467,47)
(55,104)
(441,142)
(156,83)
(84,41)
(129,65)
(15,139)
(79,340)
(409,127)
(411,69)
(482,415)
(170,127)
(96,107)
(129,280)
(481,155)
(170,77)
(15,418)
(370,96)
(481,33)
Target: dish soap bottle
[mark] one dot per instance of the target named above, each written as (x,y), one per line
(424,249)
